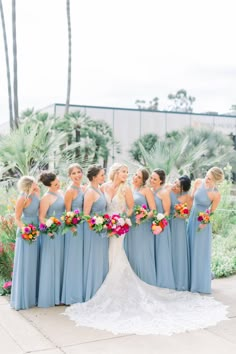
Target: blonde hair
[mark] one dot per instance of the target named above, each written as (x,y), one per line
(217,174)
(114,169)
(25,183)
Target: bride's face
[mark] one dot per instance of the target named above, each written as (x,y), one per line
(122,174)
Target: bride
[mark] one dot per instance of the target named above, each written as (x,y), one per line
(126,304)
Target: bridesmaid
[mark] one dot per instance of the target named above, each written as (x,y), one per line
(72,288)
(95,244)
(52,250)
(206,196)
(163,258)
(25,269)
(139,242)
(178,226)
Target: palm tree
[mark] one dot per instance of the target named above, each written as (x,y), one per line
(7,66)
(30,148)
(69,57)
(15,81)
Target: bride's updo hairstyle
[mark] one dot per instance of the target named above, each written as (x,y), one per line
(25,183)
(145,175)
(93,171)
(47,178)
(161,173)
(217,174)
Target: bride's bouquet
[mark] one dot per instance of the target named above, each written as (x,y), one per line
(141,214)
(159,222)
(70,220)
(118,225)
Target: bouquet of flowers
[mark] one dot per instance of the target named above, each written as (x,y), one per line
(70,220)
(98,223)
(51,226)
(181,210)
(141,213)
(29,233)
(118,225)
(159,222)
(204,217)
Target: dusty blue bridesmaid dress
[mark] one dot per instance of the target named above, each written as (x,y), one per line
(200,244)
(179,247)
(163,258)
(72,288)
(139,246)
(25,269)
(95,252)
(52,260)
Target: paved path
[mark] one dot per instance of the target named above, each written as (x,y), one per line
(46,331)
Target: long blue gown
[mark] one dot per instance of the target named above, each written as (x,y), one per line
(200,244)
(95,252)
(163,258)
(179,247)
(72,288)
(139,246)
(25,269)
(52,260)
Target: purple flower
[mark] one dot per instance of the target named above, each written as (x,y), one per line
(77,211)
(27,230)
(42,227)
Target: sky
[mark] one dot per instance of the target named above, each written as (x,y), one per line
(123,50)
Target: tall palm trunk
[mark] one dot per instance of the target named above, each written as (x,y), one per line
(69,57)
(7,66)
(15,82)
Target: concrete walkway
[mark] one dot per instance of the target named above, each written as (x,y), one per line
(46,331)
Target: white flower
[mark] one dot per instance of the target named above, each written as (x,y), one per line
(128,221)
(160,216)
(121,221)
(70,214)
(99,220)
(49,222)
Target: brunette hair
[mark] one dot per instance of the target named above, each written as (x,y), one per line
(47,178)
(145,174)
(93,171)
(72,166)
(161,173)
(185,183)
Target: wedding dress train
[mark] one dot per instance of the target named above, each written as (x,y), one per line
(125,304)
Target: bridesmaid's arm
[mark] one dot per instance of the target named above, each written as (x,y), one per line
(19,210)
(165,196)
(129,200)
(89,199)
(43,208)
(196,186)
(150,200)
(215,201)
(68,199)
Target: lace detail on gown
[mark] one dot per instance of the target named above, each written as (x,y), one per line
(125,304)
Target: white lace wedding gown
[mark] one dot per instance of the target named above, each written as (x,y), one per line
(125,304)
